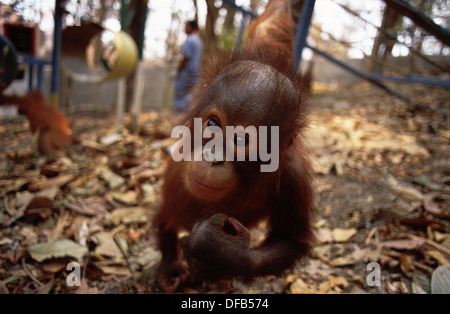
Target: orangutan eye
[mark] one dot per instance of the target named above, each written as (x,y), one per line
(213,122)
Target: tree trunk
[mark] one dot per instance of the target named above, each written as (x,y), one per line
(171,39)
(136,8)
(210,40)
(417,40)
(420,19)
(196,11)
(390,18)
(228,25)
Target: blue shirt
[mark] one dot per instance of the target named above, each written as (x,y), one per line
(188,76)
(192,49)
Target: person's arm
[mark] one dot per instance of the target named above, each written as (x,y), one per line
(183,63)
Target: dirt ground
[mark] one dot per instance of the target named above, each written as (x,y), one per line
(383,200)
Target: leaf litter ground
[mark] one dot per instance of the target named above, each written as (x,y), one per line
(383,195)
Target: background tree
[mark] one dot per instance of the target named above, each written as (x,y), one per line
(133,16)
(384,40)
(228,24)
(421,25)
(209,35)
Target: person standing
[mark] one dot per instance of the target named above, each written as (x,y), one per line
(188,68)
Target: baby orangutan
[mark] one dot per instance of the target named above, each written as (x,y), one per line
(218,200)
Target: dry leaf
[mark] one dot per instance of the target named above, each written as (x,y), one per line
(301,287)
(111,138)
(343,235)
(291,278)
(134,235)
(121,242)
(23,199)
(323,164)
(373,232)
(150,192)
(409,193)
(128,198)
(7,186)
(324,287)
(430,206)
(406,264)
(406,192)
(30,237)
(54,267)
(423,222)
(83,179)
(438,256)
(129,215)
(91,206)
(446,243)
(115,270)
(6,241)
(47,183)
(57,248)
(371,253)
(40,203)
(403,244)
(113,180)
(343,261)
(337,281)
(392,287)
(150,257)
(149,173)
(106,245)
(356,256)
(49,193)
(52,170)
(93,145)
(324,235)
(439,236)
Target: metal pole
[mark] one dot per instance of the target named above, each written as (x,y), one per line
(31,77)
(121,95)
(363,76)
(40,77)
(56,55)
(411,79)
(302,30)
(234,5)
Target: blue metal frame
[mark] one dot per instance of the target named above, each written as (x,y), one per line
(302,31)
(300,35)
(300,44)
(245,17)
(363,76)
(244,11)
(32,63)
(410,79)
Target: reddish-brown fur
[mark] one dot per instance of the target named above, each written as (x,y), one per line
(53,127)
(218,201)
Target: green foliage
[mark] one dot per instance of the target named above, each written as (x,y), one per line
(227,41)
